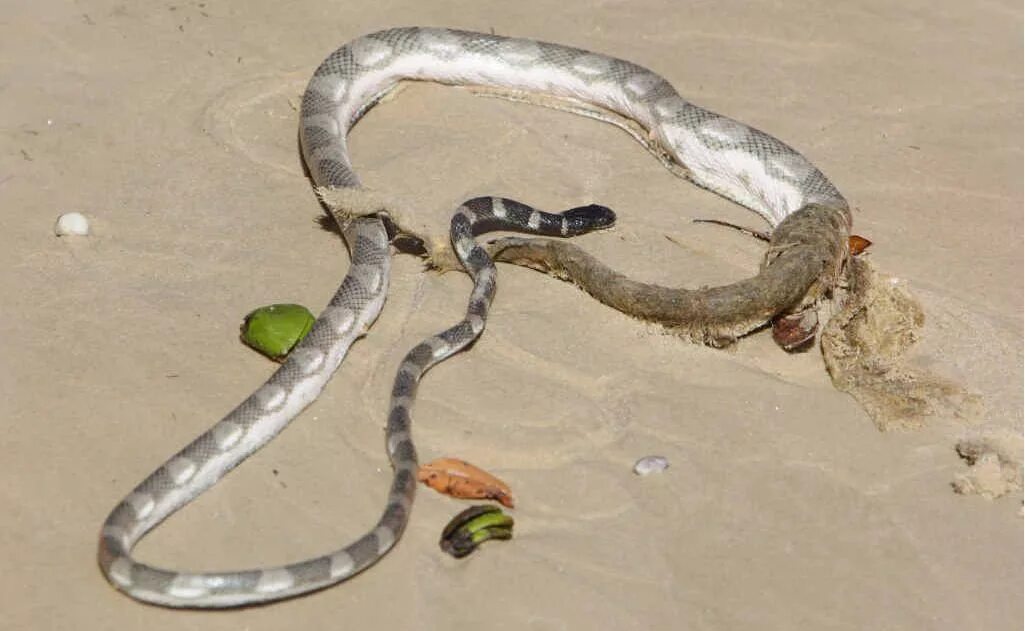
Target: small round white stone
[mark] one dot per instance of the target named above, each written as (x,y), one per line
(71,224)
(651,464)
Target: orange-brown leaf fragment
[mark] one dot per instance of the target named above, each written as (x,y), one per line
(858,244)
(463,480)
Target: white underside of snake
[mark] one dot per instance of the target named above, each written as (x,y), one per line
(715,152)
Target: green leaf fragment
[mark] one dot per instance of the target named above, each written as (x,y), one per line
(275,329)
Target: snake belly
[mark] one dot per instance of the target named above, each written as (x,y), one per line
(717,153)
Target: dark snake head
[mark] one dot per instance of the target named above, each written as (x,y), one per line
(587,218)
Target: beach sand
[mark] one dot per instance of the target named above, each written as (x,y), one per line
(172,126)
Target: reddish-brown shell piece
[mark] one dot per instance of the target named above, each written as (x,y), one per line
(795,332)
(463,480)
(858,244)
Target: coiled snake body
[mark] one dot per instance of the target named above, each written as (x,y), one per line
(717,153)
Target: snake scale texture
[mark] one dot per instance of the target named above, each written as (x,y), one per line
(717,153)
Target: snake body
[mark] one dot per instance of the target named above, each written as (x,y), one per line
(715,152)
(227,589)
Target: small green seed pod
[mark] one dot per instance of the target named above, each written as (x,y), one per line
(474,526)
(275,329)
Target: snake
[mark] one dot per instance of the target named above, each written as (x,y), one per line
(239,588)
(714,152)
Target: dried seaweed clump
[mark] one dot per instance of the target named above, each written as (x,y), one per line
(864,346)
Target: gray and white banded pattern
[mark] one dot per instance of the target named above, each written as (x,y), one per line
(479,215)
(717,153)
(226,589)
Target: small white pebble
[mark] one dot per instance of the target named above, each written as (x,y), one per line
(651,464)
(71,224)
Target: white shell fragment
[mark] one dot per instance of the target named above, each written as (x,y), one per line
(651,464)
(71,224)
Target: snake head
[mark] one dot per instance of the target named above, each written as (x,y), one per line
(587,218)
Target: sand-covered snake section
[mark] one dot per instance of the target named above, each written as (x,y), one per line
(809,217)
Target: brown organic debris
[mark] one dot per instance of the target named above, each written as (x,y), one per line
(462,480)
(864,346)
(803,263)
(858,244)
